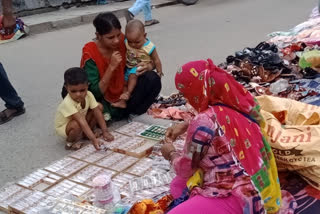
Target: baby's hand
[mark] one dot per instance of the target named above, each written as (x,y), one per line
(125,96)
(160,74)
(107,136)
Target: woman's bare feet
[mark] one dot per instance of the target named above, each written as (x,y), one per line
(120,104)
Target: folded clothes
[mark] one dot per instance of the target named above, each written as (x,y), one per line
(170,113)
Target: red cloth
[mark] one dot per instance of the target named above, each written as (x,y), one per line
(115,89)
(203,84)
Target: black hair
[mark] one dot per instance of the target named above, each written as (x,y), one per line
(106,22)
(75,76)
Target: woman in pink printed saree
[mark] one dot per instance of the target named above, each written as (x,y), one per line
(227,165)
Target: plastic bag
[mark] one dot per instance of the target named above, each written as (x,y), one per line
(293,130)
(310,59)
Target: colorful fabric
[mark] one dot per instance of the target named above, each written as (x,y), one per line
(148,206)
(208,147)
(69,107)
(18,32)
(307,198)
(135,56)
(204,205)
(91,52)
(231,131)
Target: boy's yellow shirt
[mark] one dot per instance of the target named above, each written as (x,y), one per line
(69,107)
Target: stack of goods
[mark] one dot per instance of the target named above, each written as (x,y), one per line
(89,154)
(307,32)
(66,166)
(67,188)
(132,129)
(122,182)
(75,176)
(269,70)
(142,167)
(154,132)
(86,175)
(285,66)
(36,202)
(11,194)
(40,180)
(129,141)
(117,162)
(67,206)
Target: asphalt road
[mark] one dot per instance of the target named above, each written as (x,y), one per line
(35,65)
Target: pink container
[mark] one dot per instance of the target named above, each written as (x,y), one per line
(103,189)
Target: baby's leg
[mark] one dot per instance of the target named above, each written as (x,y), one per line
(74,135)
(120,104)
(132,82)
(123,98)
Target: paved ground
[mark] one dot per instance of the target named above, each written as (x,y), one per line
(212,28)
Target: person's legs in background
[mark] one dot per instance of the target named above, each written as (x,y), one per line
(148,15)
(13,103)
(137,7)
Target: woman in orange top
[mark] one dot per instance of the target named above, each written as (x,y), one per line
(104,61)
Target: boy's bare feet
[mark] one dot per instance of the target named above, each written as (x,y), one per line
(97,133)
(120,104)
(74,146)
(108,136)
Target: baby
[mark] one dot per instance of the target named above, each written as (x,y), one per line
(139,50)
(79,112)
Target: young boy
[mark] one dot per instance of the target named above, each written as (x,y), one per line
(79,112)
(139,49)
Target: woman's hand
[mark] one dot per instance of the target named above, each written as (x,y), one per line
(167,150)
(144,67)
(175,131)
(115,60)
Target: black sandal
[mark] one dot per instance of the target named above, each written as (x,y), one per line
(5,118)
(151,22)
